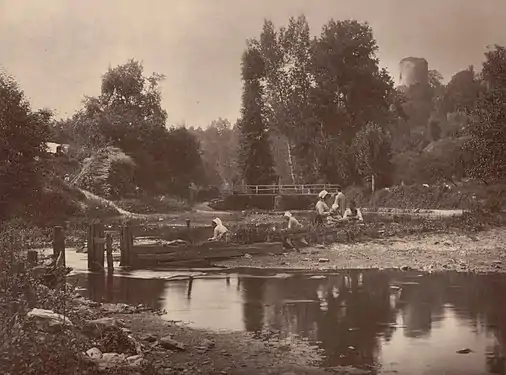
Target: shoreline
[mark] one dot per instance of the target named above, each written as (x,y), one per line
(430,252)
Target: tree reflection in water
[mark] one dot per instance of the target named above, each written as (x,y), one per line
(127,290)
(253,309)
(354,313)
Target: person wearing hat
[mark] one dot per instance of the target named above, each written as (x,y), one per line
(293,223)
(219,230)
(322,210)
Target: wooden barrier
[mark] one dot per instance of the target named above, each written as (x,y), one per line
(108,243)
(96,247)
(126,246)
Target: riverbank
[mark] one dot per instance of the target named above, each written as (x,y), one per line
(208,352)
(453,250)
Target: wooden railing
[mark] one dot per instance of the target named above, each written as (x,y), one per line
(309,189)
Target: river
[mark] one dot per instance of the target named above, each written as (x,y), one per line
(389,321)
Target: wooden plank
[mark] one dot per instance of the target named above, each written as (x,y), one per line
(164,248)
(253,249)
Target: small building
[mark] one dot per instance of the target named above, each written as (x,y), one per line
(56,148)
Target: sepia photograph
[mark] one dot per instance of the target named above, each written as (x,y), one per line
(252,187)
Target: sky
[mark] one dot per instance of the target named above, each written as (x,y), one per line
(58,50)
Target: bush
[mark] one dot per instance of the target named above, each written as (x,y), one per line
(237,202)
(153,205)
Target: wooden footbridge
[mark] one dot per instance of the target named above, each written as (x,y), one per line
(309,189)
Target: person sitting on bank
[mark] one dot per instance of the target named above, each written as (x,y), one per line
(339,202)
(293,223)
(353,213)
(219,230)
(322,210)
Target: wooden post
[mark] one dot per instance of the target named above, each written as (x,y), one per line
(188,230)
(90,246)
(126,245)
(96,246)
(190,286)
(59,243)
(108,243)
(32,258)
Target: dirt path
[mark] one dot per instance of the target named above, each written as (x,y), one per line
(480,252)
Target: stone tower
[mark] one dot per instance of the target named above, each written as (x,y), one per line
(414,70)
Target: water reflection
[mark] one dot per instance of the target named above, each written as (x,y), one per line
(384,321)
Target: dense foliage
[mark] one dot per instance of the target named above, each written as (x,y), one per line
(255,158)
(23,134)
(128,114)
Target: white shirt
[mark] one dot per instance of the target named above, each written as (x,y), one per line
(349,215)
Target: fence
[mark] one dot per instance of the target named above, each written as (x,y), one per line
(309,189)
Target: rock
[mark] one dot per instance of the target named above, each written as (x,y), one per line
(109,360)
(96,326)
(168,343)
(148,338)
(464,351)
(247,256)
(448,243)
(405,268)
(136,344)
(206,345)
(135,360)
(94,353)
(323,260)
(320,246)
(47,319)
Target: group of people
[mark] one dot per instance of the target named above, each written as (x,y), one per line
(337,213)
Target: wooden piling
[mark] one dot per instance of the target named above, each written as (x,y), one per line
(99,246)
(59,243)
(108,243)
(89,243)
(188,230)
(96,247)
(126,245)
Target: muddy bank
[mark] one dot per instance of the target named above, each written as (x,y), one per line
(221,353)
(455,250)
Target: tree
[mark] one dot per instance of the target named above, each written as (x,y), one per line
(287,56)
(461,92)
(219,148)
(485,151)
(350,91)
(494,70)
(255,158)
(128,114)
(373,153)
(435,79)
(23,134)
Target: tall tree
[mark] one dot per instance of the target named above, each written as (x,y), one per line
(23,134)
(287,56)
(255,157)
(486,150)
(350,91)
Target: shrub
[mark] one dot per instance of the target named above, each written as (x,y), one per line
(153,205)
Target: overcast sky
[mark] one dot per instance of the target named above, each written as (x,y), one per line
(58,49)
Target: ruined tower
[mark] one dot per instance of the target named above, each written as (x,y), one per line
(413,70)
